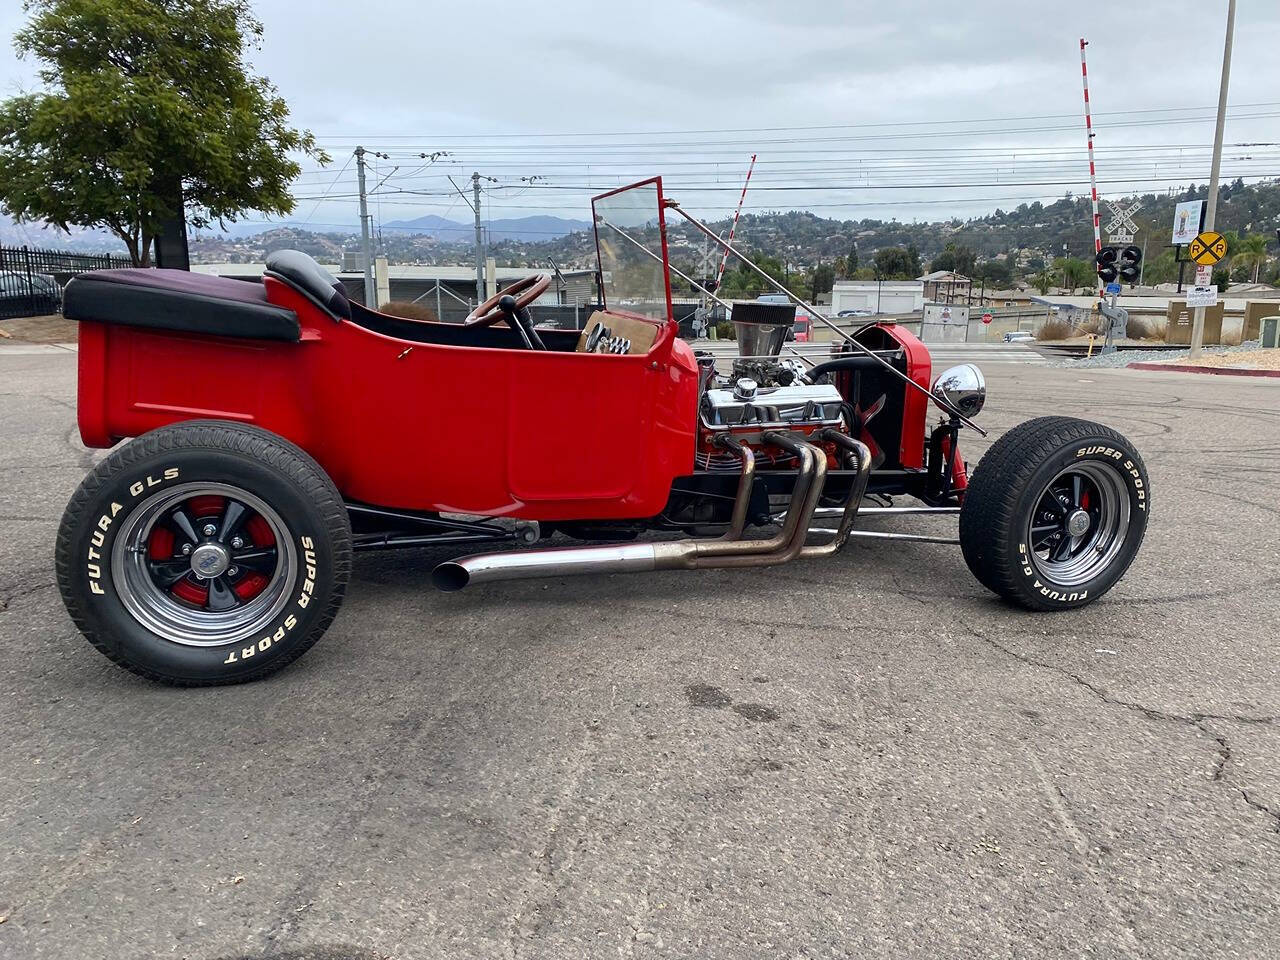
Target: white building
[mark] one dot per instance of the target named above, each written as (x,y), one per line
(890,297)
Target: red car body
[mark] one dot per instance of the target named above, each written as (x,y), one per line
(552,436)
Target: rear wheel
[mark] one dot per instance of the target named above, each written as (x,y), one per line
(1055,513)
(204,553)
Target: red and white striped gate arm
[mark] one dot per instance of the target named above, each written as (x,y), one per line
(734,226)
(1093,175)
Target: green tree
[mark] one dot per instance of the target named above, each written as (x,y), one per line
(149,111)
(955,257)
(822,280)
(1044,280)
(851,261)
(914,256)
(894,263)
(997,273)
(1161,268)
(1073,271)
(1250,252)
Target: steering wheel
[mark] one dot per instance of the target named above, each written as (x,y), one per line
(523,292)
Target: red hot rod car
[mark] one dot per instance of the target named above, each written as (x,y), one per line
(275,428)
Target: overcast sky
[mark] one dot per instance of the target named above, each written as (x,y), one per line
(652,85)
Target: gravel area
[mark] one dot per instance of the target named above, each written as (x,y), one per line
(1122,358)
(1242,359)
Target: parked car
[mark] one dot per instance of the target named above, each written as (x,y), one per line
(23,294)
(855,313)
(1018,336)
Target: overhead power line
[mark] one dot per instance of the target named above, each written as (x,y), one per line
(832,126)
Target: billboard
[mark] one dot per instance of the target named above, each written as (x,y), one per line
(1187,217)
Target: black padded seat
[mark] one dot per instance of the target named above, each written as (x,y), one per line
(300,271)
(178,300)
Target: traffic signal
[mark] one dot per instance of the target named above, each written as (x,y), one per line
(1108,269)
(1130,264)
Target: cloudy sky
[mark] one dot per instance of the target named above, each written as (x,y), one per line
(908,109)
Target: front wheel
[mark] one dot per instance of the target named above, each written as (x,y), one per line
(204,553)
(1055,513)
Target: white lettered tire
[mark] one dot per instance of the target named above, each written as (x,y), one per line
(1055,513)
(204,553)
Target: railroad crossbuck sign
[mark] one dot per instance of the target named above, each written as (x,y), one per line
(1121,229)
(1208,248)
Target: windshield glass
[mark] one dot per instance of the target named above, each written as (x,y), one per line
(631,246)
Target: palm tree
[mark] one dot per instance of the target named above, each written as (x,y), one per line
(1250,251)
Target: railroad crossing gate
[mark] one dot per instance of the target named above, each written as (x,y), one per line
(1208,248)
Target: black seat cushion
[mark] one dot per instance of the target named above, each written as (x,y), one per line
(178,300)
(310,279)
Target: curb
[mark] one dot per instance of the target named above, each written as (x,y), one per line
(21,349)
(1219,371)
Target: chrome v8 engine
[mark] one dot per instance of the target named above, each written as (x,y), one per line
(765,392)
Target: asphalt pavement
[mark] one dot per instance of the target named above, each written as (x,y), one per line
(866,756)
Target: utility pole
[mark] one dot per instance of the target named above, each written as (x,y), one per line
(1211,211)
(370,297)
(475,189)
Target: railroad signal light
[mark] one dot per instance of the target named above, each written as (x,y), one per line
(1107,266)
(1130,267)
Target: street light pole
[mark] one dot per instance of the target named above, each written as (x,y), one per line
(1197,321)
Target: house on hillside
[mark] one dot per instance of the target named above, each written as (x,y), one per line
(946,286)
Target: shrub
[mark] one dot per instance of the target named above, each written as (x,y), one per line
(1138,329)
(410,311)
(1054,329)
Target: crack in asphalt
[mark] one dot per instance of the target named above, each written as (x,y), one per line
(1196,720)
(18,593)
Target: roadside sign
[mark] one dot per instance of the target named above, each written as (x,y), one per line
(987,318)
(1122,228)
(1207,248)
(1204,276)
(1113,289)
(1202,296)
(1187,217)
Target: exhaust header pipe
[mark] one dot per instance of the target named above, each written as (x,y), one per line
(785,545)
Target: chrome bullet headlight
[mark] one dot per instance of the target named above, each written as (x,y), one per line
(963,387)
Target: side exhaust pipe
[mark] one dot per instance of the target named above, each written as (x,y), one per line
(728,551)
(782,547)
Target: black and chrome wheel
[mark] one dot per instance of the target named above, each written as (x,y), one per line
(204,563)
(204,553)
(1055,513)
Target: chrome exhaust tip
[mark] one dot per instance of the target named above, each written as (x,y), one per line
(450,576)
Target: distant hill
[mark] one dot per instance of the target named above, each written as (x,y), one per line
(78,240)
(1027,236)
(521,229)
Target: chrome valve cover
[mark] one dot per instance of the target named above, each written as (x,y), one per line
(799,404)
